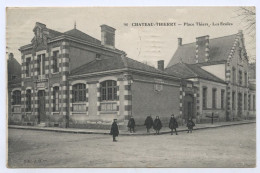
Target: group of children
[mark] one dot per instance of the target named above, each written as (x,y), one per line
(149,123)
(173,124)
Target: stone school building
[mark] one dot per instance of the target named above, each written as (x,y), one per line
(71,79)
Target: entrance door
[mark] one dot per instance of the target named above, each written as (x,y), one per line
(42,114)
(188,108)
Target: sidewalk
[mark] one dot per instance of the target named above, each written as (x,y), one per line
(140,130)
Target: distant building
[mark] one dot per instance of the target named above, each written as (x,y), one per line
(219,68)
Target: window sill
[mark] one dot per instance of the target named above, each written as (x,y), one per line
(78,103)
(79,112)
(28,112)
(55,73)
(108,112)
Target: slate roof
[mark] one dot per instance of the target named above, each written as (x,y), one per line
(187,71)
(114,63)
(219,50)
(81,35)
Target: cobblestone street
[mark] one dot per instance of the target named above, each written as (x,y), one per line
(233,146)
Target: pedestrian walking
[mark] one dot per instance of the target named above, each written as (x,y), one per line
(148,123)
(157,125)
(190,125)
(114,130)
(173,124)
(131,124)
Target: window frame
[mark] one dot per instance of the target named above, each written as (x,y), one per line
(28,96)
(79,93)
(233,100)
(56,95)
(222,99)
(28,67)
(204,97)
(56,61)
(16,97)
(234,75)
(108,92)
(214,98)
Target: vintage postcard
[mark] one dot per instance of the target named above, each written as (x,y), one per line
(131,87)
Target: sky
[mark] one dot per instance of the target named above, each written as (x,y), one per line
(143,43)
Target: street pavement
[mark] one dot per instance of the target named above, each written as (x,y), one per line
(140,130)
(229,146)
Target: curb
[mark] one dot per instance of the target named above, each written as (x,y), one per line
(123,134)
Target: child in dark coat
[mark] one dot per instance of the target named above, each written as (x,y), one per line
(148,123)
(190,125)
(114,130)
(131,125)
(173,124)
(157,125)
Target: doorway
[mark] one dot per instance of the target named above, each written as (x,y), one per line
(188,106)
(42,113)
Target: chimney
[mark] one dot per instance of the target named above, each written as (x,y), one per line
(202,49)
(160,65)
(108,36)
(179,41)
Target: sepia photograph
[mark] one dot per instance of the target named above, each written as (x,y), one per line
(131,87)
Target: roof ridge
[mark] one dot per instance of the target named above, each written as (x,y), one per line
(212,38)
(144,64)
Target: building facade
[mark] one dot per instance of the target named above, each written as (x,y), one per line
(71,79)
(219,68)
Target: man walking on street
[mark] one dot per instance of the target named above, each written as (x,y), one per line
(131,124)
(114,130)
(173,124)
(157,125)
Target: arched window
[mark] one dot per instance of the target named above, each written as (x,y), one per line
(108,90)
(28,100)
(56,99)
(79,93)
(16,97)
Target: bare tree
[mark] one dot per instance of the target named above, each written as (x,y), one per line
(248,21)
